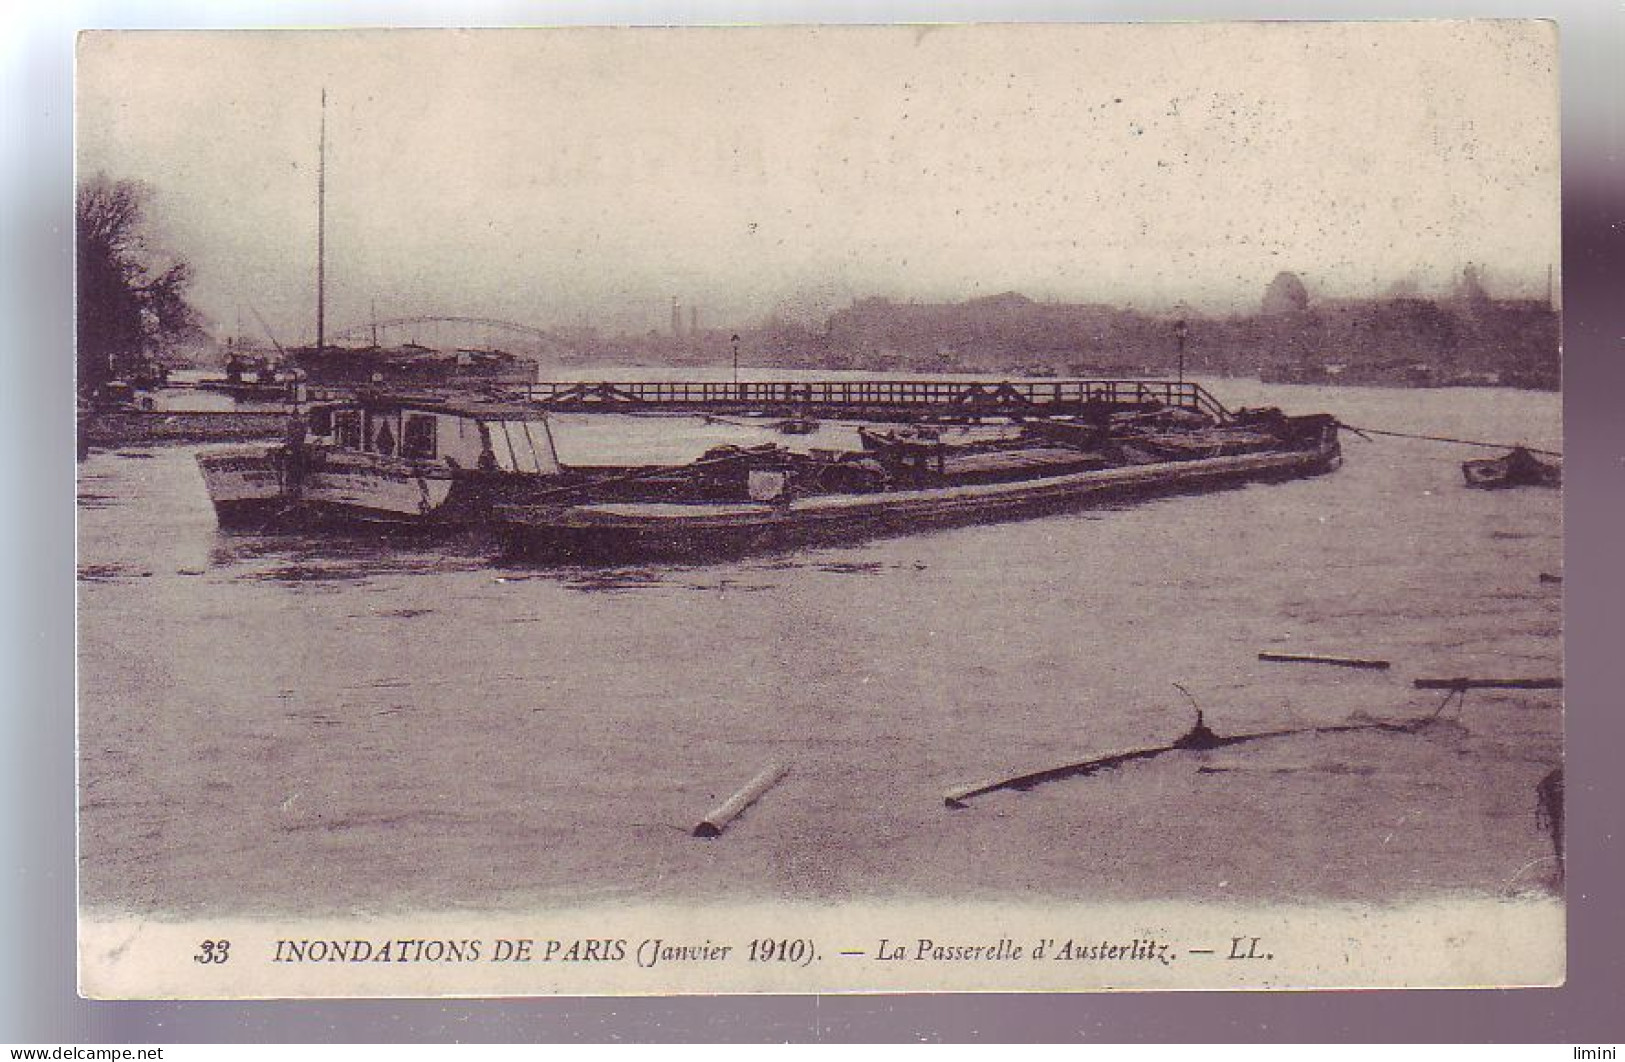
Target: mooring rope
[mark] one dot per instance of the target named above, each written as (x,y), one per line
(1446,439)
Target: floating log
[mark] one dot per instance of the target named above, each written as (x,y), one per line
(717,820)
(1317,658)
(955,798)
(1461,684)
(1197,739)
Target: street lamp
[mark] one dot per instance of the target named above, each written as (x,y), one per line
(1179,334)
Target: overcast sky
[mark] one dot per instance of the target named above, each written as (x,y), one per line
(551,177)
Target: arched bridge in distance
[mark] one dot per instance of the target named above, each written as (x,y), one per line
(448,332)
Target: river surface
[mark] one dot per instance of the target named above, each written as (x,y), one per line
(343,725)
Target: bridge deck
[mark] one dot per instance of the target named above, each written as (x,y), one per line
(880,398)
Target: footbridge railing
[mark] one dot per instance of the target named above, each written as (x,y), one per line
(885,398)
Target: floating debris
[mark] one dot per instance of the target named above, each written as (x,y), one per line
(1456,688)
(1316,658)
(103,573)
(1519,468)
(718,818)
(1464,684)
(852,567)
(1199,738)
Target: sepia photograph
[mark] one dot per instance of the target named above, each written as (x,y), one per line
(819,509)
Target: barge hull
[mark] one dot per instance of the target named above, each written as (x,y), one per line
(606,533)
(247,486)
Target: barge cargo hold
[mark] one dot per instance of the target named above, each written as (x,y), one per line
(785,501)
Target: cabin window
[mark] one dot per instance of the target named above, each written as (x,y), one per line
(526,444)
(417,438)
(347,428)
(385,440)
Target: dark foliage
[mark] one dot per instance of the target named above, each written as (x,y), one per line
(128,306)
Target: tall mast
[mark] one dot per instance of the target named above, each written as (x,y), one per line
(321,230)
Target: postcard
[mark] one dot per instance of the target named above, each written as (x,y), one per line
(819,509)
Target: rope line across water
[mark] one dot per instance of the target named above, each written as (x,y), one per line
(1446,439)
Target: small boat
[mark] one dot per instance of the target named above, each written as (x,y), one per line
(771,498)
(405,460)
(1519,468)
(256,378)
(120,396)
(797,426)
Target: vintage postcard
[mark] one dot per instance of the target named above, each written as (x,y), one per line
(819,509)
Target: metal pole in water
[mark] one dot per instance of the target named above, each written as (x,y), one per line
(736,364)
(321,229)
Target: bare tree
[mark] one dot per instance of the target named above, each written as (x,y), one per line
(128,305)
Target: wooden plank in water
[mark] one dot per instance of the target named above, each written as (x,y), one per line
(1197,739)
(718,818)
(1489,684)
(956,797)
(1318,658)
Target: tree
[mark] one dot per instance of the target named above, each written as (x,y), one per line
(128,304)
(1286,294)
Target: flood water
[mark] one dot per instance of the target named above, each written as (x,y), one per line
(343,725)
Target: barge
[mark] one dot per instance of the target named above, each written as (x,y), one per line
(436,461)
(407,461)
(769,498)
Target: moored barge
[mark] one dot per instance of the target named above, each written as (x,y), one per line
(406,461)
(431,461)
(770,499)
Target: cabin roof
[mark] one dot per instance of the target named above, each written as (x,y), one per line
(454,405)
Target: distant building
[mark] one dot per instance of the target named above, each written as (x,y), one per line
(1285,294)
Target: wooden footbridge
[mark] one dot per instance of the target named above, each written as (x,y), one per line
(876,399)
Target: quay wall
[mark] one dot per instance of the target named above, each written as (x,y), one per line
(126,427)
